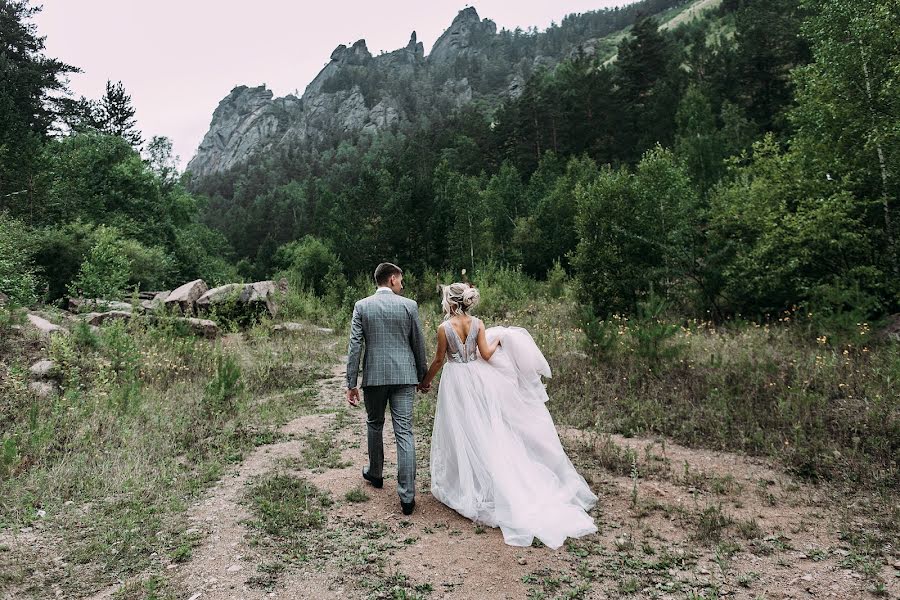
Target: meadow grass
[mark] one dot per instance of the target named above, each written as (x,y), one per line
(828,410)
(147,418)
(825,406)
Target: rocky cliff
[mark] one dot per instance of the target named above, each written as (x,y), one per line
(357,93)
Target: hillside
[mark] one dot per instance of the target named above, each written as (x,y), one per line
(471,63)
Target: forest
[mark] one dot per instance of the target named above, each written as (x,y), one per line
(737,165)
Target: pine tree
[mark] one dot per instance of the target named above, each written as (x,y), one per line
(769,46)
(647,77)
(116,114)
(29,85)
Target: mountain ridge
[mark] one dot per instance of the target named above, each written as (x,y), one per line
(360,93)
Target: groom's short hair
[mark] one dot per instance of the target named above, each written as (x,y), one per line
(385,271)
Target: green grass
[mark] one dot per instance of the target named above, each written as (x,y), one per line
(292,526)
(152,588)
(267,575)
(285,506)
(356,495)
(148,417)
(826,410)
(320,452)
(828,413)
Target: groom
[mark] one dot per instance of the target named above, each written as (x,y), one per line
(388,325)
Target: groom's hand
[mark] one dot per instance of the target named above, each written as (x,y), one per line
(353,396)
(423,387)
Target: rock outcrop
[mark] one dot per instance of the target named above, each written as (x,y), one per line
(43,389)
(465,38)
(202,327)
(243,302)
(155,301)
(246,121)
(355,92)
(891,330)
(97,305)
(185,296)
(358,92)
(45,327)
(238,299)
(99,318)
(298,328)
(43,369)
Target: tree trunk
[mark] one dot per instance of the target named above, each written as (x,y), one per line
(471,243)
(885,199)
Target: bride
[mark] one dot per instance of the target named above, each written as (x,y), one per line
(495,454)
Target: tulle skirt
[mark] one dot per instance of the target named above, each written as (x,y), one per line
(496,457)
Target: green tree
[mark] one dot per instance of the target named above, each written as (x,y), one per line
(59,252)
(17,273)
(647,75)
(102,179)
(162,161)
(312,264)
(202,252)
(780,236)
(698,141)
(31,85)
(117,114)
(768,47)
(550,234)
(105,271)
(637,234)
(150,268)
(503,200)
(848,113)
(470,242)
(113,114)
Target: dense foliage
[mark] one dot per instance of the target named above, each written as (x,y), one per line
(81,209)
(739,163)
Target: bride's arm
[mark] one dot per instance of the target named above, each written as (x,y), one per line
(486,350)
(439,357)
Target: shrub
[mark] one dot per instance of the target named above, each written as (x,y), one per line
(503,289)
(60,251)
(105,271)
(557,278)
(842,314)
(224,388)
(652,337)
(602,337)
(151,267)
(637,232)
(201,252)
(17,276)
(311,263)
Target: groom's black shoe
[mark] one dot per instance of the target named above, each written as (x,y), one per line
(377,482)
(407,507)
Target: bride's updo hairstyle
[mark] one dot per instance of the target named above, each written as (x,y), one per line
(459,298)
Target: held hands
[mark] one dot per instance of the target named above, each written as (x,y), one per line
(423,387)
(353,396)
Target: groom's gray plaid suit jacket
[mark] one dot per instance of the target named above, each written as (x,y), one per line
(388,326)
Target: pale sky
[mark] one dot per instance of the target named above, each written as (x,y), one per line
(179,58)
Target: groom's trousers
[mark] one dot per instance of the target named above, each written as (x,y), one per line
(400,398)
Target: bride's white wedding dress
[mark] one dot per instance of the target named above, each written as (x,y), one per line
(495,453)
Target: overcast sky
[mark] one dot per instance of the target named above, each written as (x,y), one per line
(178,58)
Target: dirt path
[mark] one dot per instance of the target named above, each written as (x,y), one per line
(673,522)
(436,546)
